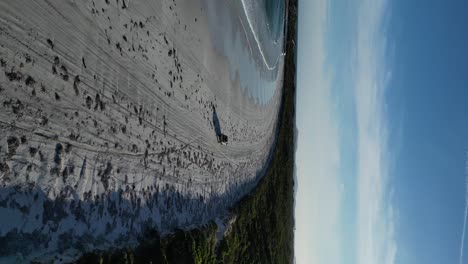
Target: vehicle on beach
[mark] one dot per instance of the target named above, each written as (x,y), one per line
(222,139)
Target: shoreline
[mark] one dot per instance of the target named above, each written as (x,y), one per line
(237,44)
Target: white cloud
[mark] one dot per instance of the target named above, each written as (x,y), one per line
(375,218)
(462,242)
(318,198)
(318,237)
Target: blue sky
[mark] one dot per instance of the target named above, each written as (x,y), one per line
(382,114)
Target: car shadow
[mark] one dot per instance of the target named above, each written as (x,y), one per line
(216,124)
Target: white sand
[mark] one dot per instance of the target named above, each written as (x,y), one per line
(98,138)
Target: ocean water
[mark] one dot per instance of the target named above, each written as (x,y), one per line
(250,34)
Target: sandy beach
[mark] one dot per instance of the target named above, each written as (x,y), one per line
(106,125)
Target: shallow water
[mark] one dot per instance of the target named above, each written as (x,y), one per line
(250,34)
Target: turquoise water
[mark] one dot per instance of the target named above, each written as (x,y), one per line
(250,34)
(275,16)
